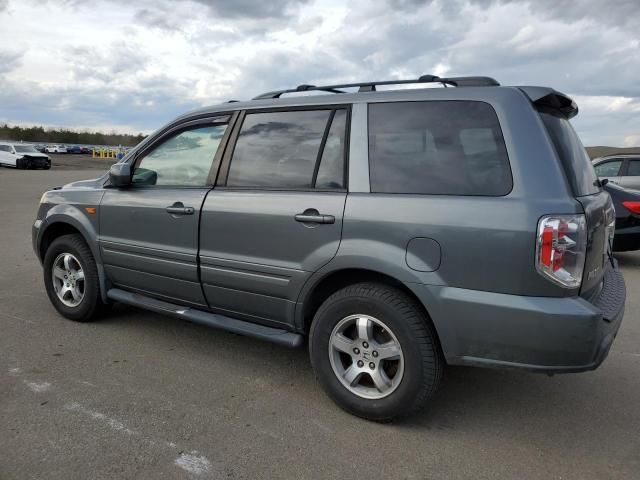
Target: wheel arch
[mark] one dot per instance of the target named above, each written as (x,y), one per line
(58,224)
(321,287)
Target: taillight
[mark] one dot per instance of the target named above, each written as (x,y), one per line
(561,248)
(633,207)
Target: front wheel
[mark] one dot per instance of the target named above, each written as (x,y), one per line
(71,278)
(375,352)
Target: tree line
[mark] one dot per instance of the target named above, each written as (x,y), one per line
(61,135)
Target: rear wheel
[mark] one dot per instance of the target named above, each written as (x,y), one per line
(375,352)
(71,278)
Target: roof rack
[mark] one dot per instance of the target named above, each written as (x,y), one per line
(371,86)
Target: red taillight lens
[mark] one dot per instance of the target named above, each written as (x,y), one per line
(633,207)
(546,250)
(561,248)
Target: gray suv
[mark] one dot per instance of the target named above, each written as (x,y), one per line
(396,231)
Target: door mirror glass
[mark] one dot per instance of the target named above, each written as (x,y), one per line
(120,174)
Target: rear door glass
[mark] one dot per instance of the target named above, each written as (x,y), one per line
(299,149)
(437,147)
(634,168)
(577,165)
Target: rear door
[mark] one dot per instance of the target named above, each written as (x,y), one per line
(597,204)
(609,169)
(630,177)
(6,157)
(149,230)
(275,216)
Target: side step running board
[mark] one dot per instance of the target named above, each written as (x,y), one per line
(275,335)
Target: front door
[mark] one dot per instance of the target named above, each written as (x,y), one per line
(149,230)
(275,216)
(609,169)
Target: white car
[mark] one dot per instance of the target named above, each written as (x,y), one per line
(22,156)
(55,149)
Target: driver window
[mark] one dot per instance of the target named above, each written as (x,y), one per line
(182,160)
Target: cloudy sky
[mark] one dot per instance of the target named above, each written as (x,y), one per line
(131,66)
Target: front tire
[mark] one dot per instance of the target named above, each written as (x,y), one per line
(71,279)
(375,352)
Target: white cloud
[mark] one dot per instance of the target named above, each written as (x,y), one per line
(134,65)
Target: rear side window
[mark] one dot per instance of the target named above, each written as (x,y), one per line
(437,147)
(634,168)
(294,149)
(608,169)
(577,165)
(5,148)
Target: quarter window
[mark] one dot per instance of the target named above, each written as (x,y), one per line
(437,147)
(282,149)
(183,160)
(608,169)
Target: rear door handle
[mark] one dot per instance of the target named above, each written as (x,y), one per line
(311,215)
(178,208)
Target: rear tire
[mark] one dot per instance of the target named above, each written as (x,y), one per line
(351,333)
(71,279)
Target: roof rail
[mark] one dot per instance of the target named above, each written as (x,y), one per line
(371,86)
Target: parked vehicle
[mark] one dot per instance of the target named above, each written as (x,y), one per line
(56,149)
(85,150)
(623,170)
(74,149)
(40,148)
(627,206)
(22,156)
(398,231)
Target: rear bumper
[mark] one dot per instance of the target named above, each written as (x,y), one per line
(626,239)
(543,334)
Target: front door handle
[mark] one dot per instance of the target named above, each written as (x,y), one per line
(311,215)
(178,208)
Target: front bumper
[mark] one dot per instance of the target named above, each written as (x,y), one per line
(543,334)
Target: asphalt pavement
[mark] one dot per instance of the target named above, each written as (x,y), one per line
(139,395)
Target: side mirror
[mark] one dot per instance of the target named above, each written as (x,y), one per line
(120,175)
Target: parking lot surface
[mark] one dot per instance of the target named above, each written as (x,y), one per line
(139,395)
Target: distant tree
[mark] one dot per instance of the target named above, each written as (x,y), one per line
(42,135)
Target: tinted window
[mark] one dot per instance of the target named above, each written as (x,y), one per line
(331,169)
(574,158)
(608,169)
(5,148)
(278,149)
(182,160)
(437,147)
(634,168)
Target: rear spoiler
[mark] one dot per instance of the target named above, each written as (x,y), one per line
(550,98)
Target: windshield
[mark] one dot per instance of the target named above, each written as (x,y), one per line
(25,149)
(576,162)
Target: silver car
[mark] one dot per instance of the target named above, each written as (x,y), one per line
(623,170)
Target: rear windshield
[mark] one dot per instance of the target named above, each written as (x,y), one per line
(574,158)
(437,148)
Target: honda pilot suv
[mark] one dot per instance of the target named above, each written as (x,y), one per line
(395,231)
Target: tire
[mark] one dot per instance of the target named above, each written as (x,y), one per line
(396,320)
(89,305)
(20,164)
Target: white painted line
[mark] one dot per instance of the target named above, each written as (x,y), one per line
(111,422)
(38,387)
(193,463)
